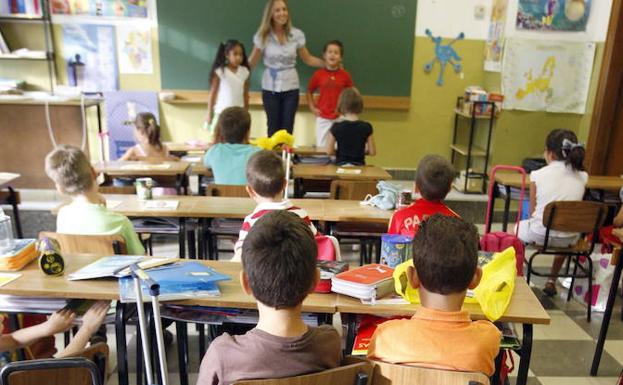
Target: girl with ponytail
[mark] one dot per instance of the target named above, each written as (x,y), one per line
(229,82)
(563,179)
(149,146)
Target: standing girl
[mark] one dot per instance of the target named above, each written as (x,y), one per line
(563,179)
(280,43)
(229,81)
(147,134)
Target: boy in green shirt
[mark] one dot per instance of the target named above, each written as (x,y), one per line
(87,214)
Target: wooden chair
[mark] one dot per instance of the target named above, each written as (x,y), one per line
(88,244)
(88,367)
(355,372)
(368,234)
(12,198)
(396,374)
(576,217)
(219,227)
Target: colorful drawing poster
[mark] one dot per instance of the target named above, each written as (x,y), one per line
(91,56)
(495,39)
(121,110)
(551,76)
(108,8)
(134,47)
(553,15)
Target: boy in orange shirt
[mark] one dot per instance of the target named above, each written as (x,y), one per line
(440,334)
(433,181)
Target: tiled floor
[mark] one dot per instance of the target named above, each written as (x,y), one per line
(561,355)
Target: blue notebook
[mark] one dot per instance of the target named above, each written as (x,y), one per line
(178,281)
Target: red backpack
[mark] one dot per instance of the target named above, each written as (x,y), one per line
(499,240)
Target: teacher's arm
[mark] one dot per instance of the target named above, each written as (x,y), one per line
(254,57)
(310,59)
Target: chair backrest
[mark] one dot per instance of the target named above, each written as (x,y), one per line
(88,368)
(396,374)
(117,189)
(356,373)
(88,244)
(227,190)
(575,216)
(352,190)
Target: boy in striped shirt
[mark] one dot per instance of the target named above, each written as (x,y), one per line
(266,180)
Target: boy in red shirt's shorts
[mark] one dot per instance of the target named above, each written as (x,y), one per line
(330,82)
(433,181)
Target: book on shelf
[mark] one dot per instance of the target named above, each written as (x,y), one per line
(367,326)
(116,266)
(30,8)
(182,280)
(366,282)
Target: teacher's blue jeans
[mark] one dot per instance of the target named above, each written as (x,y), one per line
(280,109)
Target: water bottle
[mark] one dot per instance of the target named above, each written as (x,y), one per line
(6,233)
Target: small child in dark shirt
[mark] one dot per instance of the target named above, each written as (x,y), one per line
(279,270)
(353,137)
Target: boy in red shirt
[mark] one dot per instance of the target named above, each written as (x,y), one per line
(329,81)
(433,181)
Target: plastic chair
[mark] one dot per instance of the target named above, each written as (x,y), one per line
(577,217)
(367,234)
(354,372)
(397,374)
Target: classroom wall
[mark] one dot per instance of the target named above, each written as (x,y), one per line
(403,137)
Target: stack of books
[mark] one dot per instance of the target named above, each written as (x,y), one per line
(367,282)
(19,256)
(183,280)
(328,270)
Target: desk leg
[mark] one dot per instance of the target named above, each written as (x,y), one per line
(507,205)
(13,202)
(614,287)
(491,208)
(122,353)
(526,352)
(351,331)
(299,190)
(182,350)
(182,237)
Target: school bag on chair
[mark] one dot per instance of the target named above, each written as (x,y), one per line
(499,240)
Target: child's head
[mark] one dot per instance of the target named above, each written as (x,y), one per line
(70,170)
(230,52)
(333,52)
(233,126)
(563,145)
(279,260)
(265,174)
(433,177)
(445,255)
(350,102)
(147,129)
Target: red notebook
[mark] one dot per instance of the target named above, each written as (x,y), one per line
(368,275)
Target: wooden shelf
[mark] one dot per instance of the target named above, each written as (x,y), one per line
(186,97)
(469,116)
(21,16)
(9,56)
(462,149)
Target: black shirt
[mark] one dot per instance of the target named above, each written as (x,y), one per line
(351,138)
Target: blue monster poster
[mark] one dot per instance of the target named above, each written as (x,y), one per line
(553,15)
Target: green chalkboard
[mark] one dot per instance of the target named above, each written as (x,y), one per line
(378,37)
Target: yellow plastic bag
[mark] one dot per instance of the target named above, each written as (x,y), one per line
(493,293)
(279,138)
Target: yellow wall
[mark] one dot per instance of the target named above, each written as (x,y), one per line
(402,137)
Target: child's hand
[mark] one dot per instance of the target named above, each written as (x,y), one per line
(94,317)
(314,110)
(59,322)
(208,118)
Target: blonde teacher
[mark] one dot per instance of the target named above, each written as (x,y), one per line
(280,43)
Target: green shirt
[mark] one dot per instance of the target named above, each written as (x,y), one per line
(94,219)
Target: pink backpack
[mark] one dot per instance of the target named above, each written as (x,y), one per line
(499,240)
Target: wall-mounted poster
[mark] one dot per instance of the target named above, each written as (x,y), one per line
(553,15)
(134,45)
(108,8)
(495,38)
(552,76)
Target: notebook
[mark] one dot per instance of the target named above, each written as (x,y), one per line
(366,282)
(115,266)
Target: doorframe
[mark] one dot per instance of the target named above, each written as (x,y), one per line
(608,94)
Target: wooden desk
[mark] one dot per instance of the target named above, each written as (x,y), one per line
(7,177)
(302,172)
(147,169)
(183,147)
(524,308)
(238,208)
(513,180)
